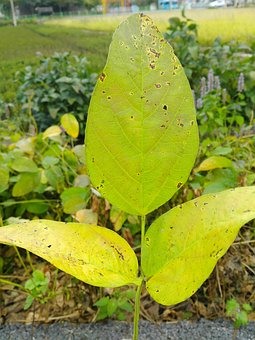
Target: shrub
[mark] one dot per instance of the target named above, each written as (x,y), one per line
(224,60)
(36,173)
(61,84)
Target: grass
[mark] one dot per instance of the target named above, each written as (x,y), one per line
(20,45)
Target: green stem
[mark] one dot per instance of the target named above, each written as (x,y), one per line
(12,284)
(137,311)
(21,260)
(139,288)
(30,261)
(143,221)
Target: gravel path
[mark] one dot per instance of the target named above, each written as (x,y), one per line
(113,330)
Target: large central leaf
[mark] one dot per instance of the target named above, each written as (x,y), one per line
(141,136)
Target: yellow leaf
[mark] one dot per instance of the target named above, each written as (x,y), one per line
(182,247)
(70,124)
(86,216)
(117,217)
(52,131)
(215,162)
(93,254)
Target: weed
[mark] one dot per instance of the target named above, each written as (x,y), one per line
(117,305)
(239,313)
(37,287)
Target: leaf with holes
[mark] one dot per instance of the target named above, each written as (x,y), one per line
(182,246)
(141,135)
(93,254)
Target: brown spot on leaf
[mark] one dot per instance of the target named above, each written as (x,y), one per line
(157,54)
(102,77)
(158,86)
(152,65)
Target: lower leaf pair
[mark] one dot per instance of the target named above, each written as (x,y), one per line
(180,249)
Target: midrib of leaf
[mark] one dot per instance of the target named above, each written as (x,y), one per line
(142,51)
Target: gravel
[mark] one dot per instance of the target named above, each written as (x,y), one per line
(114,330)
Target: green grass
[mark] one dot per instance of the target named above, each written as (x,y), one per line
(20,45)
(24,42)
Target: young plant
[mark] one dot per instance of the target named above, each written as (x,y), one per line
(37,287)
(239,313)
(141,143)
(118,304)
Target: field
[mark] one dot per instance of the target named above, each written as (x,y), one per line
(230,23)
(91,36)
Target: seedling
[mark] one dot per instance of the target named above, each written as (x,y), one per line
(239,313)
(116,305)
(141,144)
(37,287)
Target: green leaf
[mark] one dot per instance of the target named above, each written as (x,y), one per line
(28,302)
(241,319)
(141,134)
(74,199)
(37,207)
(24,164)
(182,246)
(112,306)
(4,178)
(220,179)
(49,161)
(102,302)
(247,307)
(70,124)
(93,254)
(39,277)
(215,162)
(27,182)
(126,306)
(55,176)
(232,307)
(102,314)
(221,150)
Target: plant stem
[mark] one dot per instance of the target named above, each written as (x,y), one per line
(137,311)
(21,260)
(139,288)
(30,261)
(143,221)
(12,284)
